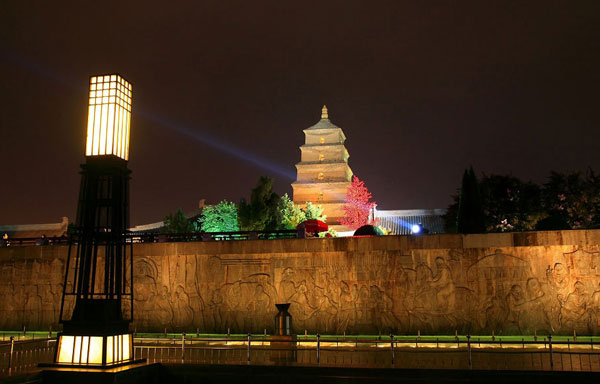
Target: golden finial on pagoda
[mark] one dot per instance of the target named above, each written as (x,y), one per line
(324,114)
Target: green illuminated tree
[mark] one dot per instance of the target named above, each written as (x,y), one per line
(222,217)
(262,212)
(314,212)
(291,214)
(178,223)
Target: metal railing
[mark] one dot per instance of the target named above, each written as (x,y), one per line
(385,352)
(461,353)
(25,241)
(145,237)
(155,237)
(22,356)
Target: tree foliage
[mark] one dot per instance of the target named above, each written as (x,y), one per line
(358,206)
(314,212)
(568,200)
(573,198)
(262,212)
(510,204)
(178,223)
(222,217)
(291,214)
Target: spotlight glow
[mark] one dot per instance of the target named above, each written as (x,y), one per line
(224,147)
(416,228)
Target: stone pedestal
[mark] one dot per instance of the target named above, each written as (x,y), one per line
(284,349)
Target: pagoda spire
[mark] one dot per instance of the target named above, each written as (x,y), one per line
(324,114)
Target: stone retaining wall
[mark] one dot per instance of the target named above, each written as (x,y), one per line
(509,283)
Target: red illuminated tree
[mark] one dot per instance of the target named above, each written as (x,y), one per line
(358,206)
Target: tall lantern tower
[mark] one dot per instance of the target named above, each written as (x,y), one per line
(97,301)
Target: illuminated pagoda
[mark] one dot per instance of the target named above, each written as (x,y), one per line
(324,175)
(97,302)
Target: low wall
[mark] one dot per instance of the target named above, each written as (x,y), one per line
(507,283)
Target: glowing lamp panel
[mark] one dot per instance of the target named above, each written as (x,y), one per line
(88,350)
(80,350)
(118,349)
(109,117)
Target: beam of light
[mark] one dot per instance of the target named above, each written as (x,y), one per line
(203,138)
(40,70)
(399,221)
(218,144)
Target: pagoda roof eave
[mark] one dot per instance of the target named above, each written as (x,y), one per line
(319,130)
(324,162)
(323,145)
(321,182)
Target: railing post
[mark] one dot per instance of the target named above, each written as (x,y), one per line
(550,346)
(12,347)
(392,345)
(249,341)
(469,348)
(183,347)
(318,348)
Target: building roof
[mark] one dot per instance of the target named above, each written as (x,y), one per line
(324,123)
(30,231)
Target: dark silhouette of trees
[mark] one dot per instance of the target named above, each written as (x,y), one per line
(470,217)
(178,223)
(572,199)
(569,200)
(262,212)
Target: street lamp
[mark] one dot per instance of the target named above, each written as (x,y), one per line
(97,301)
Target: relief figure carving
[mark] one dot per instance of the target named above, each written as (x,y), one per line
(573,313)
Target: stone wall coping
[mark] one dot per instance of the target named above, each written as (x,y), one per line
(367,244)
(351,244)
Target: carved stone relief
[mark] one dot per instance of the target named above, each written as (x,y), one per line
(509,291)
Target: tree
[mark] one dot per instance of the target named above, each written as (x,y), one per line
(178,223)
(510,204)
(314,212)
(452,214)
(470,218)
(568,200)
(572,199)
(262,212)
(357,207)
(222,217)
(291,214)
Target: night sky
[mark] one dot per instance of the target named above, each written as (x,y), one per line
(223,89)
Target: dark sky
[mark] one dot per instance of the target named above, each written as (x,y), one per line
(223,89)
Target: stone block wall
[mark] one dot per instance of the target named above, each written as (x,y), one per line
(514,283)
